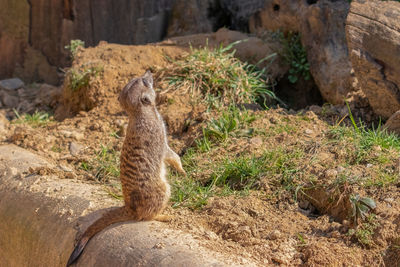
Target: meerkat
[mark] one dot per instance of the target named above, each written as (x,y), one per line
(144,153)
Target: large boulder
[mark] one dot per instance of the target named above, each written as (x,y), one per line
(373,35)
(321,24)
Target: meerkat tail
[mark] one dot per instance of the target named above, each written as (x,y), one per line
(110,217)
(174,160)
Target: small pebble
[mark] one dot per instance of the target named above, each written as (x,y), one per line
(308,131)
(274,235)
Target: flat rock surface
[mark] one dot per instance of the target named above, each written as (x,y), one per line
(11,84)
(41,215)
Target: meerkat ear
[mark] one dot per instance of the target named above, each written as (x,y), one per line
(148,79)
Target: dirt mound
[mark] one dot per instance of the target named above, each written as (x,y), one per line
(108,68)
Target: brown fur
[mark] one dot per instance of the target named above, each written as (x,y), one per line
(144,153)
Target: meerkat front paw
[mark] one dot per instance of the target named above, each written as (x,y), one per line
(174,161)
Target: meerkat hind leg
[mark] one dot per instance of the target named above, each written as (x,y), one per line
(174,160)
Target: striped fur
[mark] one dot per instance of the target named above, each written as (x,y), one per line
(142,170)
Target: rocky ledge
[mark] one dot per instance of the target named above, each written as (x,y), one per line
(42,213)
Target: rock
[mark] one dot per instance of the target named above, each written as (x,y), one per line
(392,125)
(308,132)
(251,49)
(8,100)
(44,37)
(193,16)
(340,169)
(189,17)
(75,149)
(54,209)
(65,168)
(331,173)
(325,156)
(316,109)
(373,35)
(48,95)
(274,235)
(321,24)
(11,84)
(72,134)
(256,141)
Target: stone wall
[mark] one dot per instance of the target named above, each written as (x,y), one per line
(33,33)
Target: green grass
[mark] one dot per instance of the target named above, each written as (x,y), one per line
(285,168)
(373,146)
(363,233)
(78,79)
(37,119)
(233,175)
(73,47)
(105,166)
(220,78)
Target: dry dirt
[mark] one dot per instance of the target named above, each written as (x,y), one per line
(268,230)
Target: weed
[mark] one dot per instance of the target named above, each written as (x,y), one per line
(187,192)
(219,77)
(107,164)
(86,166)
(105,167)
(115,134)
(374,136)
(241,173)
(73,47)
(228,123)
(81,78)
(203,144)
(302,241)
(363,233)
(56,149)
(37,119)
(360,207)
(296,56)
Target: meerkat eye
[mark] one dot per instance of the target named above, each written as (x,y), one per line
(145,99)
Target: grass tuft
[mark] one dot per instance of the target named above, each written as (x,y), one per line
(78,79)
(219,77)
(105,166)
(37,119)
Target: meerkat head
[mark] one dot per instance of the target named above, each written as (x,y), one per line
(138,93)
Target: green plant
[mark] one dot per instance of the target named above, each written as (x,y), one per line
(228,123)
(219,77)
(296,56)
(364,232)
(85,166)
(37,119)
(302,241)
(187,192)
(73,47)
(81,78)
(241,173)
(107,164)
(360,207)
